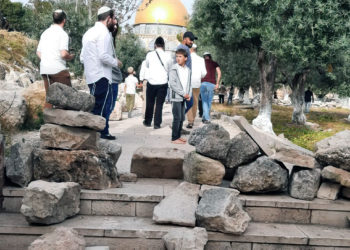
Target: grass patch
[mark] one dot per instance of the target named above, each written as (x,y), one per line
(331,121)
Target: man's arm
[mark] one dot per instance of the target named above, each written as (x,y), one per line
(104,48)
(66,55)
(203,69)
(38,54)
(218,72)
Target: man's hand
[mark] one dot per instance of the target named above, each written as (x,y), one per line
(187,97)
(216,86)
(120,64)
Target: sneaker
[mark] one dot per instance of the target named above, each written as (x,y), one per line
(190,125)
(156,127)
(108,137)
(146,124)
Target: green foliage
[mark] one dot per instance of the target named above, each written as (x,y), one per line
(13,13)
(130,51)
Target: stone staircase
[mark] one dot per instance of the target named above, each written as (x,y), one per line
(122,219)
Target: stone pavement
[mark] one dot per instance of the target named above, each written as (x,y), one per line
(132,134)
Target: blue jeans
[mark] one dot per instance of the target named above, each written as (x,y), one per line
(207,93)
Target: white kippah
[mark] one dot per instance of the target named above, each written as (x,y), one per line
(103,10)
(58,11)
(194,46)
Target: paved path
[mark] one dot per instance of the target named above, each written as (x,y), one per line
(131,134)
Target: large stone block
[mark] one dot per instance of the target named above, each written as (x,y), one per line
(178,207)
(164,163)
(92,170)
(336,175)
(242,150)
(304,184)
(49,202)
(213,147)
(329,191)
(19,163)
(335,150)
(74,119)
(15,106)
(2,165)
(221,210)
(262,176)
(186,239)
(60,238)
(199,169)
(61,137)
(208,131)
(65,97)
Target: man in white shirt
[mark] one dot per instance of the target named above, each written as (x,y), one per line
(97,55)
(198,73)
(131,83)
(53,52)
(158,64)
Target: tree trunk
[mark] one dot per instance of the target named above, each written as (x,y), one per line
(267,74)
(76,6)
(298,92)
(246,99)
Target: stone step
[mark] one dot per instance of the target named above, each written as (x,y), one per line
(138,200)
(142,233)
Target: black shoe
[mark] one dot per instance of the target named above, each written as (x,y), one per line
(146,124)
(156,127)
(108,137)
(190,125)
(185,132)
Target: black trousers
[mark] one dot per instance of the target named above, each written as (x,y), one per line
(221,99)
(178,119)
(200,107)
(155,94)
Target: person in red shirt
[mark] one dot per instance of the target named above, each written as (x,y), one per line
(209,83)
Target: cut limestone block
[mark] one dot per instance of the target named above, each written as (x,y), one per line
(65,97)
(304,184)
(61,238)
(72,118)
(67,138)
(262,176)
(163,163)
(335,150)
(179,206)
(328,191)
(336,175)
(199,169)
(221,210)
(186,239)
(92,170)
(49,202)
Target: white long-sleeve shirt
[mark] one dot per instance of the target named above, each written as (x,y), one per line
(144,71)
(97,53)
(198,70)
(157,74)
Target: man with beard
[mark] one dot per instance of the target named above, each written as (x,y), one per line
(97,55)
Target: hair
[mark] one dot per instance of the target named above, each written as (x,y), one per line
(104,16)
(130,70)
(181,52)
(59,16)
(159,42)
(208,55)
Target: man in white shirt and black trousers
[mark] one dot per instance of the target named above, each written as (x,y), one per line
(158,64)
(97,55)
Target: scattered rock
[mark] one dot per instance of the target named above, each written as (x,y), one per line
(345,192)
(337,175)
(128,177)
(242,150)
(92,170)
(164,163)
(328,191)
(179,207)
(221,210)
(312,126)
(49,202)
(13,109)
(186,239)
(74,119)
(61,238)
(262,176)
(112,148)
(199,169)
(2,72)
(67,138)
(209,130)
(215,115)
(208,187)
(335,150)
(19,163)
(65,97)
(213,147)
(304,184)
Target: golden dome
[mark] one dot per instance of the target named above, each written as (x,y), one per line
(171,12)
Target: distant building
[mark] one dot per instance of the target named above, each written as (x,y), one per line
(166,18)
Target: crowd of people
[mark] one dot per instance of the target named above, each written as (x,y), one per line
(189,83)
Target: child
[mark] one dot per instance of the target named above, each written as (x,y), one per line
(130,89)
(181,90)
